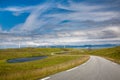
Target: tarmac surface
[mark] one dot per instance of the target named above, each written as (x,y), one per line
(96,68)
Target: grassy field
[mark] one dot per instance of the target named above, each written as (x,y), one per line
(27,52)
(37,69)
(109,53)
(63,59)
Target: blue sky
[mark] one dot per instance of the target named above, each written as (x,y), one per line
(49,22)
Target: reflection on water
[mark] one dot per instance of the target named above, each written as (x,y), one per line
(25,59)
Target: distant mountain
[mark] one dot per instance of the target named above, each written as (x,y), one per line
(81,46)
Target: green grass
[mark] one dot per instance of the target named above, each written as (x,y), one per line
(27,52)
(37,69)
(33,70)
(109,53)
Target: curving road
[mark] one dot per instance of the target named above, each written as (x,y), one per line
(96,68)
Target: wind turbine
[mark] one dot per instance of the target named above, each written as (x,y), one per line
(64,45)
(19,44)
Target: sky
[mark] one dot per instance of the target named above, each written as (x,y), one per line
(59,22)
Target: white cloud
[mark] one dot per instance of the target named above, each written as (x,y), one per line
(83,12)
(86,12)
(0,29)
(33,22)
(83,7)
(75,31)
(114,28)
(19,10)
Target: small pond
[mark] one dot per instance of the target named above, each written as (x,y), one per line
(16,60)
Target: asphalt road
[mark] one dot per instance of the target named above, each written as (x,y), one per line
(96,68)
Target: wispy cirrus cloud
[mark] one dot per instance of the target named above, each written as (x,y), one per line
(16,10)
(76,22)
(0,28)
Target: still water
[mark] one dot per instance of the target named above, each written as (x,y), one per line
(16,60)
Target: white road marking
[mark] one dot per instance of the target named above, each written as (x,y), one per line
(45,78)
(71,69)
